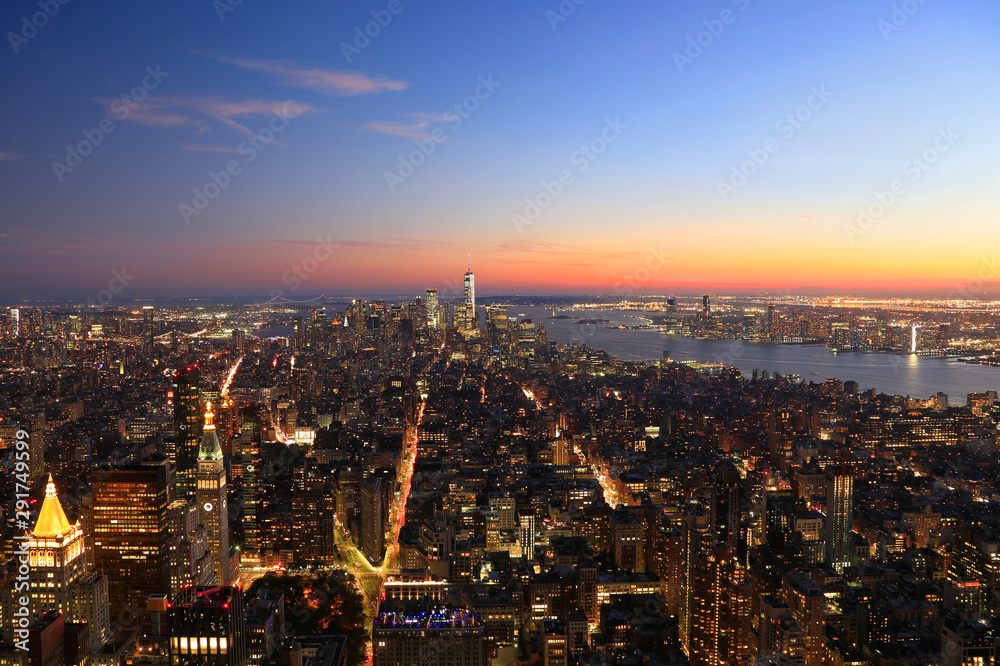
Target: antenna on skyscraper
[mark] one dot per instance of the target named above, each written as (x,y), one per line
(470,262)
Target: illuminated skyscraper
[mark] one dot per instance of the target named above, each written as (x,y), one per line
(671,325)
(147,316)
(374,517)
(470,287)
(432,308)
(779,511)
(721,599)
(728,494)
(250,442)
(807,604)
(496,317)
(185,398)
(59,578)
(313,513)
(213,508)
(839,515)
(471,317)
(131,532)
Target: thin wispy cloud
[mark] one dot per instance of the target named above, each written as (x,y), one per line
(323,81)
(6,156)
(407,244)
(207,149)
(200,112)
(410,131)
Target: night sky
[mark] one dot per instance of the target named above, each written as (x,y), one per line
(214,149)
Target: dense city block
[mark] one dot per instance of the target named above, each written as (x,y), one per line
(434,482)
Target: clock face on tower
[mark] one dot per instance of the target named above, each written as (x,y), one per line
(208,506)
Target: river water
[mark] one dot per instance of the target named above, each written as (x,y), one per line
(902,374)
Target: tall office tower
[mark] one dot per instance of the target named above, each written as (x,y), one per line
(313,514)
(807,602)
(239,341)
(373,519)
(432,308)
(506,512)
(380,309)
(298,332)
(628,543)
(213,507)
(250,441)
(706,309)
(59,578)
(444,316)
(147,324)
(470,288)
(672,326)
(727,495)
(207,627)
(775,553)
(526,537)
(422,633)
(721,601)
(779,514)
(131,536)
(839,516)
(15,318)
(190,559)
(668,564)
(526,332)
(461,316)
(497,317)
(186,400)
(560,451)
(36,448)
(697,536)
(356,315)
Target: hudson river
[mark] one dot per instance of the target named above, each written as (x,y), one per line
(903,374)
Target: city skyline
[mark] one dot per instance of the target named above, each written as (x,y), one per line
(552,333)
(759,146)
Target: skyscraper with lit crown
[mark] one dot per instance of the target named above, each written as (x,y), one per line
(211,491)
(59,578)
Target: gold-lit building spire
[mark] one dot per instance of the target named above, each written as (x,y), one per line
(52,521)
(210,447)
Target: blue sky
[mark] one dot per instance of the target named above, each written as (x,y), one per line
(557,84)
